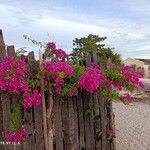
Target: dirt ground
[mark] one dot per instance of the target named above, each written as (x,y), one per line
(132,125)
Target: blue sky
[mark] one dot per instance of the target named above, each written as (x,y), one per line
(124,22)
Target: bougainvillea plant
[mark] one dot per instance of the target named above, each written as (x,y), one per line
(66,78)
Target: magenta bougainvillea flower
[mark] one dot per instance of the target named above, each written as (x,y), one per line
(95,66)
(51,45)
(15,137)
(31,99)
(130,76)
(90,80)
(63,67)
(58,81)
(126,98)
(141,71)
(109,132)
(73,91)
(60,54)
(114,84)
(57,67)
(12,75)
(58,90)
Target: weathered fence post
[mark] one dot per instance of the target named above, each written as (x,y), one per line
(2,46)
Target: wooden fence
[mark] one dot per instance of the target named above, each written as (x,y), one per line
(73,128)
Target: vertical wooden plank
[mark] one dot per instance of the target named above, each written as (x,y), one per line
(111,123)
(94,58)
(73,143)
(76,128)
(11,50)
(31,56)
(14,101)
(29,126)
(1,125)
(86,121)
(65,124)
(89,135)
(1,37)
(103,121)
(2,46)
(88,59)
(81,121)
(107,114)
(6,114)
(50,125)
(91,123)
(29,118)
(97,120)
(58,125)
(39,128)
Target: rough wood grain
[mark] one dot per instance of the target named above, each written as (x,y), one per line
(39,139)
(103,122)
(65,124)
(58,125)
(11,50)
(5,99)
(29,126)
(97,120)
(73,143)
(2,46)
(88,125)
(1,125)
(14,101)
(81,121)
(76,127)
(91,122)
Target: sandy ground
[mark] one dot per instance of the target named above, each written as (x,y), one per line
(132,126)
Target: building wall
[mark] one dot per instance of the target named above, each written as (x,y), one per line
(147,71)
(138,63)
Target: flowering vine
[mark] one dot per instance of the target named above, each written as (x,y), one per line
(67,78)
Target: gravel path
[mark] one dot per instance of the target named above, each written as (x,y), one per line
(132,126)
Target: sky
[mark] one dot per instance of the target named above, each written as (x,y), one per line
(125,23)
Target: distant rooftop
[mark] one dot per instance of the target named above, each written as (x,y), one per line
(146,61)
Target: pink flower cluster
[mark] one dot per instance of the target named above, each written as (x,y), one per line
(130,76)
(90,80)
(57,67)
(51,45)
(126,98)
(95,66)
(16,137)
(12,73)
(109,132)
(31,99)
(141,71)
(73,91)
(60,54)
(114,84)
(57,83)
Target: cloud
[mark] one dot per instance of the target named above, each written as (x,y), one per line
(127,35)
